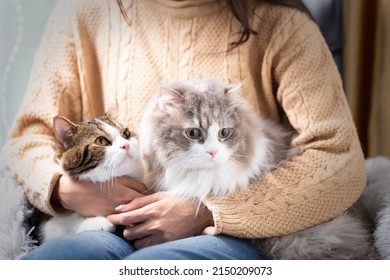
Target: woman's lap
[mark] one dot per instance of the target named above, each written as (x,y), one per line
(88,245)
(94,245)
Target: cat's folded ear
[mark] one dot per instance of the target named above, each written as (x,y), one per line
(112,111)
(64,129)
(168,95)
(111,115)
(233,89)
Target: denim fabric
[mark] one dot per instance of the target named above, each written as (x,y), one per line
(100,245)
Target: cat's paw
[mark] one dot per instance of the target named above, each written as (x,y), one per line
(107,226)
(96,223)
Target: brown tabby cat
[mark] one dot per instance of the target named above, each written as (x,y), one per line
(98,151)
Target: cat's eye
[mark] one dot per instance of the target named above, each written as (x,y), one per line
(102,141)
(193,133)
(126,133)
(224,133)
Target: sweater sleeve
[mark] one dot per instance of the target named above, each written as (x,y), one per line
(330,174)
(53,89)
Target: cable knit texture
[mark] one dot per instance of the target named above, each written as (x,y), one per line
(93,59)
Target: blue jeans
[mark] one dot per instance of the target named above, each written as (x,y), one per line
(100,245)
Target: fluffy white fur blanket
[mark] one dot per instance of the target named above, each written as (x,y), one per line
(376,199)
(15,239)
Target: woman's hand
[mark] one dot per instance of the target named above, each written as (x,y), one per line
(95,199)
(161,217)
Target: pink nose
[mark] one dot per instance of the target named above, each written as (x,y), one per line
(125,146)
(213,152)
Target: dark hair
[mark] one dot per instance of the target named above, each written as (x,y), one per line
(243,12)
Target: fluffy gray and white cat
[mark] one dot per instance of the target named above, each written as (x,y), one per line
(98,151)
(201,138)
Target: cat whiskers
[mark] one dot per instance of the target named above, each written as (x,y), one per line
(157,178)
(180,168)
(108,172)
(237,163)
(184,168)
(241,156)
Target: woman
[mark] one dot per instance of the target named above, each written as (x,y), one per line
(98,53)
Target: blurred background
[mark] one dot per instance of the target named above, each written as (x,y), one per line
(21,26)
(357,31)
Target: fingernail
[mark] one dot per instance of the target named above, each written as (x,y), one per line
(119,208)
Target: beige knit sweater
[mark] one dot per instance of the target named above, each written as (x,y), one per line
(93,59)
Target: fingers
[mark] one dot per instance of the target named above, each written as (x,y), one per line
(145,234)
(147,241)
(84,197)
(138,210)
(158,218)
(128,189)
(95,199)
(139,231)
(128,218)
(140,202)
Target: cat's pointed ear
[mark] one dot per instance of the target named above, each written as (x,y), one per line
(168,95)
(234,89)
(112,111)
(64,130)
(112,115)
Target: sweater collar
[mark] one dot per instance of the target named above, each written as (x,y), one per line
(185,8)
